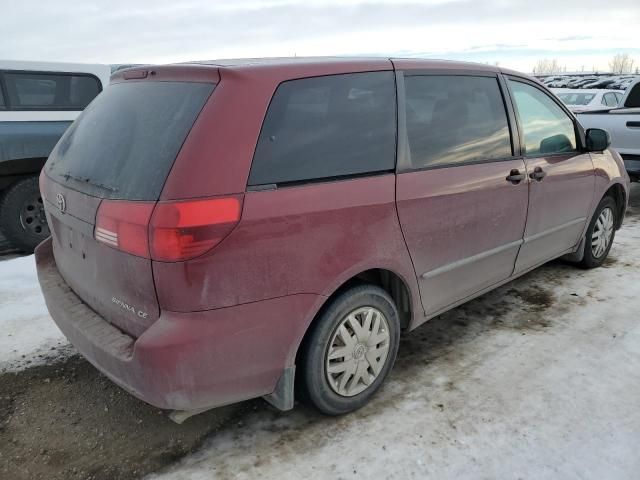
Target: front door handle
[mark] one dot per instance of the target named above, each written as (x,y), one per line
(537,174)
(515,176)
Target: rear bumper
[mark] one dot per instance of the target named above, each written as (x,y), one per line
(185,361)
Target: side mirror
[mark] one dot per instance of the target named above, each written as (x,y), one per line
(597,140)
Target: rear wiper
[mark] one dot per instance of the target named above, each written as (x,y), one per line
(68,176)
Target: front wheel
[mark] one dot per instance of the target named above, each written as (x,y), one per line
(600,234)
(22,218)
(350,350)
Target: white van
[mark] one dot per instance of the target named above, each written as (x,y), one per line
(38,101)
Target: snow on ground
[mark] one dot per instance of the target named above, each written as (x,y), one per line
(539,379)
(27,332)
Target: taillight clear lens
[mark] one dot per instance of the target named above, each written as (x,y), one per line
(124,225)
(187,229)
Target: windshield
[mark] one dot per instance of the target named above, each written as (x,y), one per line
(125,142)
(576,98)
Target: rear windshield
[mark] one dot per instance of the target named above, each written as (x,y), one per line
(125,142)
(576,98)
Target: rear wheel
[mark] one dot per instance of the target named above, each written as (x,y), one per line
(22,218)
(600,234)
(350,350)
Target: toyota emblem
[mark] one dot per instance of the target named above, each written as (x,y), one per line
(62,204)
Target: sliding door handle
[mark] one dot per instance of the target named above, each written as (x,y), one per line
(537,174)
(515,176)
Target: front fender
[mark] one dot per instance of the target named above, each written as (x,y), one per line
(610,171)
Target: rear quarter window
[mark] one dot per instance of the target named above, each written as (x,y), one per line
(327,127)
(45,91)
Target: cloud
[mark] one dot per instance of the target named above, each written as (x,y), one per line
(163,31)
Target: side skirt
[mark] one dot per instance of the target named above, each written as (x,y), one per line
(485,290)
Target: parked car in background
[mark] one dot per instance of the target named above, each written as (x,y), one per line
(580,82)
(553,78)
(623,124)
(583,99)
(115,67)
(623,83)
(603,82)
(38,101)
(596,81)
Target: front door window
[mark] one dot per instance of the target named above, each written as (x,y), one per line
(547,128)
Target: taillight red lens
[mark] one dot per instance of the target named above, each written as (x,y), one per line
(124,225)
(187,229)
(166,231)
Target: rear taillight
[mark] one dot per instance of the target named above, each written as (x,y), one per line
(167,231)
(125,225)
(183,230)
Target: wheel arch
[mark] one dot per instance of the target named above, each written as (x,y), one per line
(619,195)
(390,281)
(12,171)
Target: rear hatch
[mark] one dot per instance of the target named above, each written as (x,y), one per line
(101,184)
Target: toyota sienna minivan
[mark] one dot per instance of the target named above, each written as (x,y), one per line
(228,230)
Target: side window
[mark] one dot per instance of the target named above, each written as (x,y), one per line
(325,127)
(2,103)
(51,91)
(455,119)
(633,96)
(547,128)
(609,99)
(618,97)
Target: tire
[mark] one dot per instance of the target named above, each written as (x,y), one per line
(595,253)
(376,315)
(22,218)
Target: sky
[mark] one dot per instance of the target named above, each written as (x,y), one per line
(581,34)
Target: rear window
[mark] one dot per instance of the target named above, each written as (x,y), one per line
(610,100)
(327,127)
(124,144)
(44,91)
(576,98)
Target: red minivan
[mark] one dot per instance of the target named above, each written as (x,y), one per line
(228,230)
